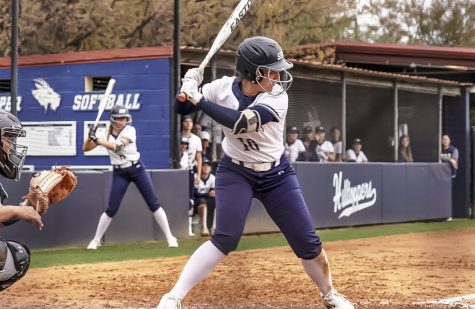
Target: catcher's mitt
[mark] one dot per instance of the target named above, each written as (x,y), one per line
(50,187)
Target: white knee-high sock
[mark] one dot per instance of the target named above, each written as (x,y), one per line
(102,226)
(200,264)
(318,269)
(161,218)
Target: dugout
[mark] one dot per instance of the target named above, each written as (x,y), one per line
(377,107)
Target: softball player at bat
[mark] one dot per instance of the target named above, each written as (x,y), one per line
(121,144)
(252,107)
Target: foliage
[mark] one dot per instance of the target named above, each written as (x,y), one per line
(431,22)
(52,26)
(56,26)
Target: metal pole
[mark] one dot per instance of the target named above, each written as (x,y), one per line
(14,58)
(343,114)
(174,118)
(396,120)
(439,124)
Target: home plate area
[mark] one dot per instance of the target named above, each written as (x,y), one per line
(419,270)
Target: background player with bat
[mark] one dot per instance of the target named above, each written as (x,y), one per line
(252,108)
(121,144)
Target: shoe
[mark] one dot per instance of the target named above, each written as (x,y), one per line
(172,242)
(336,300)
(204,232)
(191,234)
(93,245)
(169,302)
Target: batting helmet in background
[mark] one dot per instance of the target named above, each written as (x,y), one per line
(120,111)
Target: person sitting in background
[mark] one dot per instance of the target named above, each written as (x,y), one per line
(355,154)
(204,195)
(307,136)
(197,129)
(205,145)
(183,152)
(293,146)
(450,154)
(321,147)
(335,136)
(405,151)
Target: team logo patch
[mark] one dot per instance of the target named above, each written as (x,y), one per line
(45,95)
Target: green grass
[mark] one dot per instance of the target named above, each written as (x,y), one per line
(145,250)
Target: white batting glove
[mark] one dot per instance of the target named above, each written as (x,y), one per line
(190,88)
(194,74)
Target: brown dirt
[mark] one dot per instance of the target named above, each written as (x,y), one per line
(383,272)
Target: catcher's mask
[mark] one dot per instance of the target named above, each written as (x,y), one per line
(258,55)
(12,154)
(119,111)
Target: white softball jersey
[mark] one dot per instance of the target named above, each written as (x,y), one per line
(194,146)
(129,152)
(205,186)
(352,156)
(265,145)
(338,146)
(292,151)
(326,146)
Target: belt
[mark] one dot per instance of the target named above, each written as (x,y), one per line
(257,166)
(126,164)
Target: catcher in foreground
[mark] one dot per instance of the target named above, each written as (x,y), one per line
(46,188)
(14,257)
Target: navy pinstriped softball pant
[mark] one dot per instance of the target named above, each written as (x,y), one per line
(278,190)
(121,178)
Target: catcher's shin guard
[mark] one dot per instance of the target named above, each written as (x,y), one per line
(14,262)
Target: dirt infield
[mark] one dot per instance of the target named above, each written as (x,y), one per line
(383,272)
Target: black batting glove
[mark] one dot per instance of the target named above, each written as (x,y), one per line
(92,135)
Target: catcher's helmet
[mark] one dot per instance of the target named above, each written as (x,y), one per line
(120,111)
(258,53)
(12,155)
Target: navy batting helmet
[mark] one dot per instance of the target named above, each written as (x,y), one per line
(12,154)
(120,111)
(258,53)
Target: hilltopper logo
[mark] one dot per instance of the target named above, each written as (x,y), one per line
(45,95)
(351,199)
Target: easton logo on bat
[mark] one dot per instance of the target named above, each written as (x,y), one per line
(348,199)
(236,20)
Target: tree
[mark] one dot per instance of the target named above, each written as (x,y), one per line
(52,26)
(434,22)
